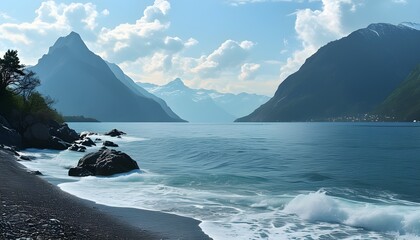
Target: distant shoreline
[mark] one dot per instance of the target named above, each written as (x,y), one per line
(44,204)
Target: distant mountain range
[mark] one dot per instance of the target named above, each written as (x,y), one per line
(82,83)
(201,105)
(350,76)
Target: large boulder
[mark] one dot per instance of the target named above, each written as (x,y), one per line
(38,136)
(57,144)
(104,162)
(64,132)
(115,133)
(37,132)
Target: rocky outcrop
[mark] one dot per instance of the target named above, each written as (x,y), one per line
(86,142)
(86,134)
(64,132)
(104,162)
(115,133)
(109,144)
(9,136)
(38,135)
(77,148)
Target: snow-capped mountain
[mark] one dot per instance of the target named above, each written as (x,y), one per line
(201,105)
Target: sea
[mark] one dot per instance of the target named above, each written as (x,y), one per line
(261,180)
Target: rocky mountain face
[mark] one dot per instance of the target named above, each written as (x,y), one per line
(82,83)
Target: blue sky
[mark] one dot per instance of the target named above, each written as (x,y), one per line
(227,45)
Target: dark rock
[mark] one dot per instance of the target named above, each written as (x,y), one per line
(79,172)
(28,121)
(53,124)
(57,144)
(11,149)
(9,136)
(4,122)
(77,148)
(36,173)
(85,134)
(37,132)
(104,162)
(65,133)
(98,139)
(109,144)
(115,133)
(86,142)
(25,158)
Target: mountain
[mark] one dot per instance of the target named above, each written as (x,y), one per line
(83,84)
(411,25)
(346,77)
(201,105)
(404,102)
(128,82)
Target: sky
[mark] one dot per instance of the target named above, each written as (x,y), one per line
(227,45)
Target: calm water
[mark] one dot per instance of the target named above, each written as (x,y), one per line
(263,181)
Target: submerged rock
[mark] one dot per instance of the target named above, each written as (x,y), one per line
(110,144)
(104,162)
(115,133)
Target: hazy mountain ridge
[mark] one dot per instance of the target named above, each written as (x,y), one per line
(202,105)
(83,84)
(346,77)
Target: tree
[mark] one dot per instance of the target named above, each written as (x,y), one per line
(11,71)
(27,85)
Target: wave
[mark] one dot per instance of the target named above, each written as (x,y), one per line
(389,218)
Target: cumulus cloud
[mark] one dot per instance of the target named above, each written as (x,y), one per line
(249,71)
(145,37)
(315,28)
(229,55)
(52,20)
(105,12)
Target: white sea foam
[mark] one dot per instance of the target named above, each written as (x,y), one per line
(318,206)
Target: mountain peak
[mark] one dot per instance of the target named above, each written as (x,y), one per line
(177,82)
(72,41)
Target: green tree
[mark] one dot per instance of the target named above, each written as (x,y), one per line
(11,71)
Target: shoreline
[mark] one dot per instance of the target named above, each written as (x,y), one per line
(31,207)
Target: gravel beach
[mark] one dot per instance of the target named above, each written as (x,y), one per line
(31,208)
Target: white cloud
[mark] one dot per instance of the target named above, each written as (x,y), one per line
(400,1)
(315,28)
(5,16)
(128,42)
(230,54)
(249,71)
(51,21)
(236,3)
(105,12)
